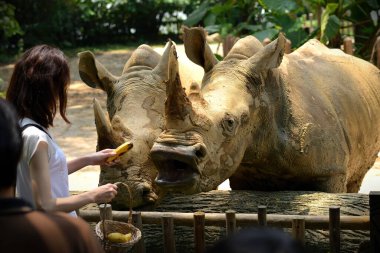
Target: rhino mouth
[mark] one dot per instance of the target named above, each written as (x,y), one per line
(177,166)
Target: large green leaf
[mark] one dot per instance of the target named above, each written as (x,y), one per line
(331,29)
(282,6)
(210,19)
(197,15)
(326,21)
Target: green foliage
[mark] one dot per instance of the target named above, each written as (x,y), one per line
(9,26)
(266,18)
(73,23)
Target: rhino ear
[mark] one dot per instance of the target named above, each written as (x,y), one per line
(162,68)
(93,73)
(144,55)
(269,57)
(197,49)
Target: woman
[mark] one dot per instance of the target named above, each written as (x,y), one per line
(38,88)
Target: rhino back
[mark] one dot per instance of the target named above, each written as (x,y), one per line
(334,103)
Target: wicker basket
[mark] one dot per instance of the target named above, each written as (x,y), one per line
(104,227)
(121,227)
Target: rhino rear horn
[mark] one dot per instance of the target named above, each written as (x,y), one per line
(93,73)
(197,49)
(177,104)
(102,122)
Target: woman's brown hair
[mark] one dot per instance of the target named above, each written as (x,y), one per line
(39,81)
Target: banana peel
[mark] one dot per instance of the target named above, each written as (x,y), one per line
(122,149)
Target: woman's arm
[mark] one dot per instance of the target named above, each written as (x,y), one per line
(98,158)
(40,175)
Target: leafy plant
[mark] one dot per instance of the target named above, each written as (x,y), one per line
(334,19)
(9,26)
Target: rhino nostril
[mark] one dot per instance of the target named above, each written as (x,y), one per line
(145,189)
(200,152)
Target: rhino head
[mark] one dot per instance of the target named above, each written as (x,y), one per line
(135,105)
(207,132)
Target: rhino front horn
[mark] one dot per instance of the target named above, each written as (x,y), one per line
(177,104)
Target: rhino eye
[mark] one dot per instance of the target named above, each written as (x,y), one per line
(229,124)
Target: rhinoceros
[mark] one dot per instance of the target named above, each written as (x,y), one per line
(308,120)
(135,105)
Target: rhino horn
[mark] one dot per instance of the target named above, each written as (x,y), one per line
(103,124)
(162,68)
(93,73)
(197,49)
(177,104)
(269,57)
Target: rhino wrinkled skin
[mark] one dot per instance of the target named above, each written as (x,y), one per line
(308,120)
(135,105)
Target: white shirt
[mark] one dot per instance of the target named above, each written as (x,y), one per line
(32,136)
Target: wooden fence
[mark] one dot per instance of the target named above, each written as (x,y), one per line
(334,223)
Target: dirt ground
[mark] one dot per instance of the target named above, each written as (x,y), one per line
(79,138)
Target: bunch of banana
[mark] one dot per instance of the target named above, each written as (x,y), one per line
(119,237)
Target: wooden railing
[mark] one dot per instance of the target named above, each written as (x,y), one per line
(333,222)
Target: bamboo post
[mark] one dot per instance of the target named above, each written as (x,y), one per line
(266,41)
(374,219)
(168,232)
(199,232)
(230,222)
(137,222)
(288,46)
(105,211)
(298,229)
(262,215)
(334,229)
(348,46)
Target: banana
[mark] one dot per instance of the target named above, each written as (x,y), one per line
(119,237)
(122,149)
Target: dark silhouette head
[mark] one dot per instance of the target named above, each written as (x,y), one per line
(10,145)
(257,240)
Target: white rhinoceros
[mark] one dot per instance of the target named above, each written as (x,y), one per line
(308,120)
(135,105)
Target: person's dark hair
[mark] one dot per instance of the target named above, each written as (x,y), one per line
(257,240)
(10,144)
(39,81)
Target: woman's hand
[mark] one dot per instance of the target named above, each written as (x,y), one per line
(104,193)
(100,157)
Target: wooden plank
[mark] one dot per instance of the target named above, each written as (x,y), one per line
(262,216)
(230,221)
(199,232)
(137,222)
(168,232)
(374,202)
(334,229)
(298,229)
(105,212)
